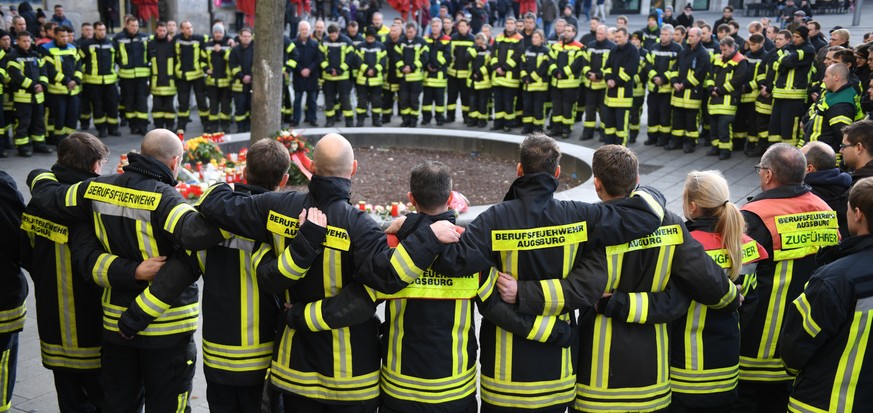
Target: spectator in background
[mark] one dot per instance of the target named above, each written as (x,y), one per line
(839,37)
(59,18)
(816,37)
(549,13)
(826,180)
(25,10)
(13,11)
(668,17)
(805,8)
(727,14)
(108,13)
(686,18)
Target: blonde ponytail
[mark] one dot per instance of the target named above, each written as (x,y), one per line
(709,191)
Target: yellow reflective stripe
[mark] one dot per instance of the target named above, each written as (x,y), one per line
(39,177)
(66,296)
(695,320)
(288,267)
(539,238)
(775,309)
(463,324)
(123,197)
(541,327)
(100,272)
(182,403)
(429,391)
(794,254)
(704,381)
(337,238)
(770,369)
(553,296)
(237,358)
(805,311)
(488,285)
(433,286)
(13,319)
(316,386)
(840,119)
(404,266)
(314,318)
(205,194)
(851,361)
(638,308)
(601,351)
(281,224)
(396,310)
(648,398)
(45,228)
(664,236)
(342,352)
(653,204)
(5,369)
(151,304)
(797,406)
(527,395)
(728,298)
(71,357)
(175,215)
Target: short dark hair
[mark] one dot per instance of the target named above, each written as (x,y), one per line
(267,162)
(846,56)
(353,23)
(861,197)
(860,131)
(333,28)
(728,8)
(622,30)
(786,162)
(723,28)
(86,24)
(705,26)
(596,19)
(819,157)
(247,29)
(23,33)
(734,24)
(681,29)
(98,24)
(785,33)
(539,153)
(80,150)
(728,41)
(814,23)
(161,24)
(58,6)
(430,183)
(411,25)
(617,168)
(756,38)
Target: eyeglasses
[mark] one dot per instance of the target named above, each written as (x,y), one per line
(846,145)
(758,168)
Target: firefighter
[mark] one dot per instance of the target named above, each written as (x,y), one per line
(517,372)
(505,66)
(652,32)
(535,80)
(764,102)
(391,87)
(596,54)
(216,53)
(133,70)
(640,84)
(693,65)
(87,33)
(101,80)
(790,87)
(336,68)
(565,59)
(825,332)
(439,55)
(190,73)
(241,63)
(291,58)
(310,257)
(64,70)
(479,82)
(306,76)
(782,218)
(411,57)
(835,109)
(458,72)
(709,42)
(725,84)
(626,352)
(138,356)
(745,128)
(163,78)
(7,114)
(618,71)
(68,305)
(661,63)
(27,83)
(373,59)
(13,286)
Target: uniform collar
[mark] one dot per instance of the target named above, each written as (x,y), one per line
(326,190)
(784,191)
(67,175)
(845,248)
(537,186)
(149,167)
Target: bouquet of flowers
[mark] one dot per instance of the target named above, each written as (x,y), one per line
(201,149)
(299,149)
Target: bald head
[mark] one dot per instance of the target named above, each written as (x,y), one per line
(164,146)
(334,157)
(819,155)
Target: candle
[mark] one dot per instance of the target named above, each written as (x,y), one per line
(394,209)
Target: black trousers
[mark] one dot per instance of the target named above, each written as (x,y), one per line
(580,102)
(685,127)
(160,377)
(563,100)
(64,111)
(615,125)
(85,109)
(79,392)
(369,98)
(184,88)
(337,91)
(287,103)
(479,103)
(29,123)
(242,102)
(299,404)
(594,103)
(534,111)
(8,366)
(636,113)
(310,108)
(745,126)
(659,114)
(433,100)
(163,111)
(390,94)
(233,399)
(457,87)
(785,121)
(504,104)
(675,408)
(409,95)
(721,131)
(762,397)
(219,107)
(104,102)
(134,96)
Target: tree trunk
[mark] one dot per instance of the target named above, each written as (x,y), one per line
(267,75)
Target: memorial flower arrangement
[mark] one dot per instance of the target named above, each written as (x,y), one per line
(201,149)
(299,148)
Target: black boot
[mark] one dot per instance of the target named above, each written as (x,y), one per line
(652,139)
(632,138)
(675,143)
(689,147)
(350,121)
(587,134)
(482,123)
(377,121)
(360,122)
(25,151)
(113,130)
(41,147)
(101,131)
(330,122)
(663,139)
(758,150)
(528,128)
(440,119)
(425,118)
(386,119)
(713,151)
(724,154)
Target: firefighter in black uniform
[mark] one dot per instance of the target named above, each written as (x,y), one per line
(627,352)
(189,73)
(163,78)
(13,286)
(291,57)
(661,63)
(101,80)
(790,87)
(6,117)
(391,87)
(505,68)
(64,70)
(216,53)
(353,245)
(144,196)
(745,125)
(596,54)
(27,83)
(519,236)
(336,69)
(725,84)
(68,301)
(411,53)
(458,72)
(372,61)
(619,71)
(688,93)
(566,56)
(241,61)
(535,83)
(133,68)
(438,59)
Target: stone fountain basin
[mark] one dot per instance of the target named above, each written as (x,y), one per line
(575,160)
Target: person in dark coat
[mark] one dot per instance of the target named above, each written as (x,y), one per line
(306,74)
(108,13)
(26,10)
(826,180)
(686,18)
